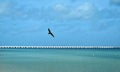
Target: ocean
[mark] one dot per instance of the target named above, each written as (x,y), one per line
(60,60)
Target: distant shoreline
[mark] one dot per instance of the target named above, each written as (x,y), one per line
(47,47)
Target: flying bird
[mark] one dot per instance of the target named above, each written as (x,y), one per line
(49,32)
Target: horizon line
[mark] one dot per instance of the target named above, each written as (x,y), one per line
(2,47)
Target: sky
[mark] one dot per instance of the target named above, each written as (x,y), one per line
(73,22)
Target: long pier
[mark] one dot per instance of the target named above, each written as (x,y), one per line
(37,47)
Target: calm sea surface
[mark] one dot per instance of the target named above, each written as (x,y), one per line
(60,60)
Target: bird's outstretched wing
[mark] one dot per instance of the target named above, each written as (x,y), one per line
(49,32)
(52,34)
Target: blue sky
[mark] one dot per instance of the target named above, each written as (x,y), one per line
(73,22)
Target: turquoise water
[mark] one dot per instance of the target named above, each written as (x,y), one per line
(59,60)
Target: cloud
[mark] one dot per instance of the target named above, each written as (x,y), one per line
(72,1)
(87,17)
(4,7)
(85,11)
(61,11)
(63,15)
(115,2)
(60,8)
